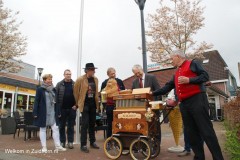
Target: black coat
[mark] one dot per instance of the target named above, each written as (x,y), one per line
(60,89)
(40,109)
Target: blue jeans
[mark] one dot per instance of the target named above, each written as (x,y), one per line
(67,116)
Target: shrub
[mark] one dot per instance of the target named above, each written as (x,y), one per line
(232,125)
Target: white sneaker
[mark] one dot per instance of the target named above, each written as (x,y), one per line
(176,149)
(44,149)
(60,148)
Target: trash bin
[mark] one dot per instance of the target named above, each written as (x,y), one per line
(8,125)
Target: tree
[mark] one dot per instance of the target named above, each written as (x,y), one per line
(12,43)
(173,27)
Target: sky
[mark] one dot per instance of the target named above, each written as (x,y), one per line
(111,33)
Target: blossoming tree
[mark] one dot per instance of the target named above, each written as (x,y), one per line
(172,27)
(12,43)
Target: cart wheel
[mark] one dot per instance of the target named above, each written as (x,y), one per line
(125,152)
(155,147)
(113,147)
(140,149)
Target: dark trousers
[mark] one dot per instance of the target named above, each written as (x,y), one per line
(88,123)
(109,112)
(199,126)
(158,126)
(67,116)
(187,146)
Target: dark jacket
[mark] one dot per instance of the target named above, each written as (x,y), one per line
(60,89)
(149,81)
(40,109)
(119,82)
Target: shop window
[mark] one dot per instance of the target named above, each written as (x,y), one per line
(31,102)
(1,100)
(21,102)
(7,103)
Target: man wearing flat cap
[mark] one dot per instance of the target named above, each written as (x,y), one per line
(86,96)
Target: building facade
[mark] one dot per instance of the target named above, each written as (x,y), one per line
(17,90)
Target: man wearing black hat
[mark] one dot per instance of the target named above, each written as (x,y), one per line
(86,96)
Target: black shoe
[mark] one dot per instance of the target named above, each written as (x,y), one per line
(94,145)
(63,145)
(70,145)
(84,149)
(184,153)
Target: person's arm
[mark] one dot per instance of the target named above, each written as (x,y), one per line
(202,75)
(104,83)
(76,89)
(75,107)
(56,98)
(97,96)
(156,85)
(121,84)
(36,103)
(165,89)
(57,92)
(57,106)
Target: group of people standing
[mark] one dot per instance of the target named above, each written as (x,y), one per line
(56,106)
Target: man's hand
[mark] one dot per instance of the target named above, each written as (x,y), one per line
(74,107)
(183,80)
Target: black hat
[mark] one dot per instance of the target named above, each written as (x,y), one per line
(89,66)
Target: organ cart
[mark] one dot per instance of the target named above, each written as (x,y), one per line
(135,126)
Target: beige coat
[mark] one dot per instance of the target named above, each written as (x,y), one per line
(80,91)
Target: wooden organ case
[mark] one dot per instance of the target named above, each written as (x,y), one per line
(132,113)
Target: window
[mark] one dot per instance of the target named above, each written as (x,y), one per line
(205,61)
(230,81)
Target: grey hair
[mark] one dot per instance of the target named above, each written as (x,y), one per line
(178,52)
(137,66)
(110,69)
(66,71)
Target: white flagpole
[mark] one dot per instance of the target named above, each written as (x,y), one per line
(77,139)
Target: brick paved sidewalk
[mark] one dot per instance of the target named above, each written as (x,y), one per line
(7,144)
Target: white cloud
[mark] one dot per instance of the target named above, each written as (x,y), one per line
(111,33)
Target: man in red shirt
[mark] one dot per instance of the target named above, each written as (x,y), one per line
(189,82)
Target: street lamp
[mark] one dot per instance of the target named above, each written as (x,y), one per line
(141,4)
(40,70)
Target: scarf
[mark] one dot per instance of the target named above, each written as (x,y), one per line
(51,94)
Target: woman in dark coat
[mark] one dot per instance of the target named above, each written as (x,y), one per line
(46,113)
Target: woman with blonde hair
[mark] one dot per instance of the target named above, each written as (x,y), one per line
(46,113)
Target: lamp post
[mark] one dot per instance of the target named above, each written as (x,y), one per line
(40,70)
(141,4)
